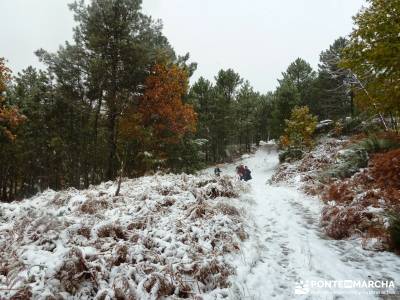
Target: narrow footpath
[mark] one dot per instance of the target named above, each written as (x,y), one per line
(287,249)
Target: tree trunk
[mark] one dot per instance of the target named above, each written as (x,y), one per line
(95,175)
(112,145)
(121,174)
(352,104)
(373,102)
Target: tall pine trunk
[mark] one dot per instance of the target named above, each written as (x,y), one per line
(112,145)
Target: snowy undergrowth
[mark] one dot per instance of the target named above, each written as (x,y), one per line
(356,206)
(306,172)
(164,236)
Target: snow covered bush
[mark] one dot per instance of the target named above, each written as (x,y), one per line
(340,221)
(358,186)
(360,202)
(349,161)
(165,235)
(311,165)
(356,155)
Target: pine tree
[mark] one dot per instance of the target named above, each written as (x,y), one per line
(295,88)
(333,86)
(123,43)
(202,96)
(227,83)
(264,117)
(301,75)
(10,120)
(285,99)
(245,115)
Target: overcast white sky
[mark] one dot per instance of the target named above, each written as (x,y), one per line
(257,38)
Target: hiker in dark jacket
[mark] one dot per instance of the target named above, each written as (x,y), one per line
(217,171)
(247,174)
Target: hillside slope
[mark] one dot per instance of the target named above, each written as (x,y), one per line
(181,236)
(165,235)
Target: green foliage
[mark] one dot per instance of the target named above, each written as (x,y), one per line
(298,134)
(72,135)
(115,47)
(285,99)
(374,144)
(227,84)
(355,157)
(263,114)
(362,123)
(230,113)
(332,86)
(301,75)
(290,155)
(296,88)
(352,125)
(372,54)
(245,115)
(186,156)
(348,162)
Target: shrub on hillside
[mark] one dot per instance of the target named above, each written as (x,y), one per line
(341,221)
(356,156)
(298,135)
(385,169)
(351,125)
(360,124)
(349,161)
(299,129)
(291,154)
(381,180)
(338,129)
(374,144)
(340,192)
(361,199)
(394,229)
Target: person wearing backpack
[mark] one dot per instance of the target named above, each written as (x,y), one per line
(247,174)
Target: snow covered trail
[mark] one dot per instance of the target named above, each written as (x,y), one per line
(286,246)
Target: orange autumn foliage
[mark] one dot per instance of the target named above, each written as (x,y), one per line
(385,169)
(161,108)
(10,118)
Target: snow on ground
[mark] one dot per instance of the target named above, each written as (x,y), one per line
(179,236)
(165,235)
(287,248)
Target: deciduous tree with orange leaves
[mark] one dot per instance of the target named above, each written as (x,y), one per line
(161,118)
(162,107)
(10,118)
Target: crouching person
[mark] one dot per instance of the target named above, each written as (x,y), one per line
(247,174)
(217,171)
